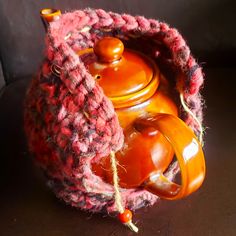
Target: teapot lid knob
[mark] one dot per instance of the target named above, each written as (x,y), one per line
(109,49)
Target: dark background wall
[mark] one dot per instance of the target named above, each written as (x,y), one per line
(2,81)
(208,26)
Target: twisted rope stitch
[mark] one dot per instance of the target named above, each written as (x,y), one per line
(70,123)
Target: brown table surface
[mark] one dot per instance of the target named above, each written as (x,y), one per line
(28,207)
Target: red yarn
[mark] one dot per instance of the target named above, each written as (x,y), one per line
(70,122)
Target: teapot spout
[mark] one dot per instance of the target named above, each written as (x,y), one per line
(48,15)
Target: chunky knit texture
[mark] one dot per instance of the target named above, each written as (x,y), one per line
(69,121)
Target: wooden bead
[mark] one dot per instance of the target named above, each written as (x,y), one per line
(126,216)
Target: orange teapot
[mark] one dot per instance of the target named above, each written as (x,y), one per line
(147,113)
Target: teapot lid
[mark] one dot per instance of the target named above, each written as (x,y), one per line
(123,73)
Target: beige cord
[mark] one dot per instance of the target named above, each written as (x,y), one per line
(118,200)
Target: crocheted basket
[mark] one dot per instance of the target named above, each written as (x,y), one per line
(70,123)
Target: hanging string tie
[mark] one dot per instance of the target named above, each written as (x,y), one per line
(125,215)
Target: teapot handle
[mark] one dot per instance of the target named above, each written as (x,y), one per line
(188,152)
